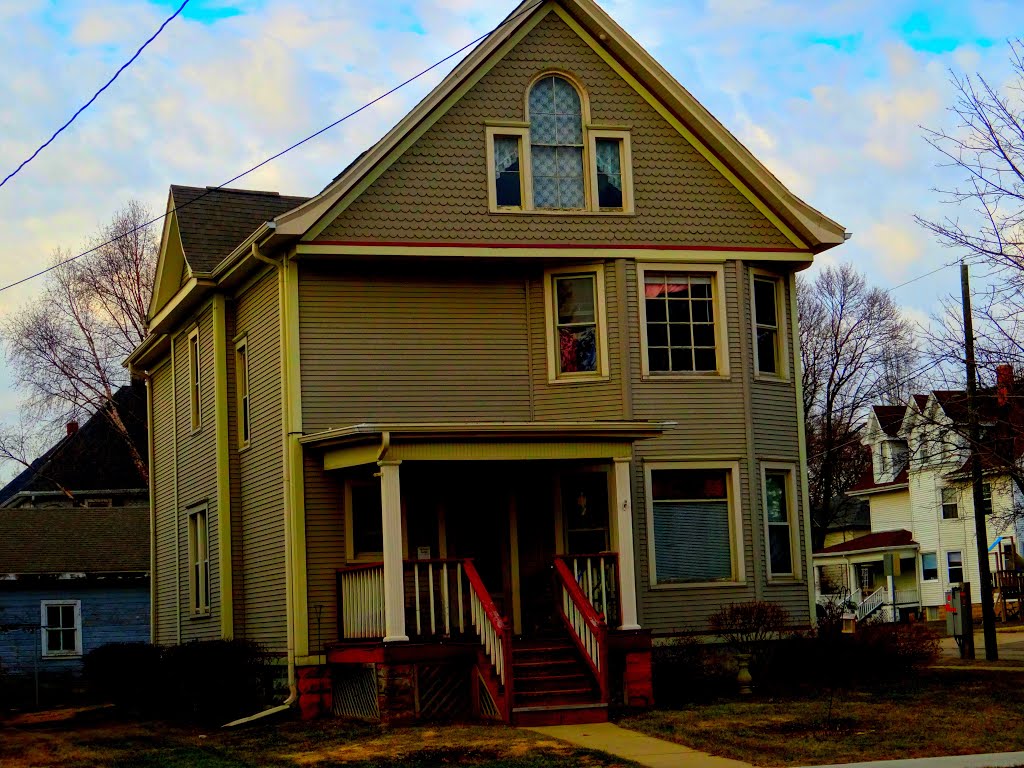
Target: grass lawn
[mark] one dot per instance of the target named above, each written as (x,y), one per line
(103,740)
(945,712)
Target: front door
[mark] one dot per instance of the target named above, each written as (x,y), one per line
(476,522)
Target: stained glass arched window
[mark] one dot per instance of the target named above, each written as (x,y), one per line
(556,144)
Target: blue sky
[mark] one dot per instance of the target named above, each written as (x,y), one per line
(830,96)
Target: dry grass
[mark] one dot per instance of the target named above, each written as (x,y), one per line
(946,712)
(100,739)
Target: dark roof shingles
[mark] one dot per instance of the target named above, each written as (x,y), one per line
(890,417)
(214,221)
(880,540)
(52,540)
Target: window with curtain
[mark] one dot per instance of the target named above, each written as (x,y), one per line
(680,322)
(929,566)
(692,534)
(609,173)
(576,329)
(508,184)
(556,145)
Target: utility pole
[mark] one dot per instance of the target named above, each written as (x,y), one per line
(988,610)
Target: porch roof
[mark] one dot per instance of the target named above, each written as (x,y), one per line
(882,541)
(366,443)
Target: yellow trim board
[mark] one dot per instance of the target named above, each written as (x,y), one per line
(685,132)
(351,456)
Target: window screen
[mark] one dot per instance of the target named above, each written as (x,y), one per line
(692,534)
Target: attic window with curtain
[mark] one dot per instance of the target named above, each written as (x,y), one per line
(558,162)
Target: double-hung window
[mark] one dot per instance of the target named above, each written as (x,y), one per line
(950,509)
(62,627)
(929,566)
(768,330)
(955,567)
(556,161)
(692,525)
(364,521)
(682,328)
(986,498)
(199,561)
(195,404)
(780,521)
(575,312)
(242,385)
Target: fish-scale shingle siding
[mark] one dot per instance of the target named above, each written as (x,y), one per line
(437,191)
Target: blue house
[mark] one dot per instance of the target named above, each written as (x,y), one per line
(74,556)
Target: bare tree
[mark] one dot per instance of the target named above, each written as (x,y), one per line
(65,346)
(858,350)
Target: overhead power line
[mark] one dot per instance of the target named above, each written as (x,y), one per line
(95,96)
(275,156)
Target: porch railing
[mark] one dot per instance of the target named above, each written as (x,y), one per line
(907,597)
(598,578)
(495,635)
(439,601)
(361,601)
(1009,583)
(587,628)
(871,602)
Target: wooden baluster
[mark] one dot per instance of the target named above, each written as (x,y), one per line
(430,597)
(458,583)
(445,608)
(590,582)
(416,587)
(604,591)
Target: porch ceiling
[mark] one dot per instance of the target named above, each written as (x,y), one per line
(479,441)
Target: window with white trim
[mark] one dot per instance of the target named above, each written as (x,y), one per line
(556,161)
(767,325)
(61,622)
(986,499)
(681,320)
(365,523)
(780,521)
(195,403)
(242,386)
(929,566)
(575,312)
(692,524)
(199,561)
(950,508)
(955,567)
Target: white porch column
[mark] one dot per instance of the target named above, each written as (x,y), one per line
(394,588)
(624,542)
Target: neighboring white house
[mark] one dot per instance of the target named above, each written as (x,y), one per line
(923,536)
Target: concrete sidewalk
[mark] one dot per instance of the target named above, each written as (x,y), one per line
(630,745)
(995,760)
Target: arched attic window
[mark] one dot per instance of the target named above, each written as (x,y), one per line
(558,161)
(556,144)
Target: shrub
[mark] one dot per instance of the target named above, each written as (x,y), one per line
(215,681)
(127,674)
(747,626)
(690,672)
(211,682)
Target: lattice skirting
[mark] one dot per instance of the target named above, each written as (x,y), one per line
(355,691)
(443,692)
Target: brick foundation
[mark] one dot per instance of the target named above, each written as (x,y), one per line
(316,694)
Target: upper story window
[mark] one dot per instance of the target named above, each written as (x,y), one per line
(577,336)
(242,386)
(193,379)
(557,162)
(768,336)
(681,320)
(950,510)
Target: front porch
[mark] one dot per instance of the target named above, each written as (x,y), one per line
(503,580)
(872,574)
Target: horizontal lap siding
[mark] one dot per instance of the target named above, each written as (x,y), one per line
(579,401)
(776,438)
(710,425)
(260,501)
(109,614)
(234,476)
(325,550)
(164,612)
(437,191)
(445,346)
(197,471)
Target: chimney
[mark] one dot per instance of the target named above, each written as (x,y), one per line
(72,427)
(1004,383)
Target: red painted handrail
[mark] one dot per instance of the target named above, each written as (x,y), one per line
(500,626)
(592,619)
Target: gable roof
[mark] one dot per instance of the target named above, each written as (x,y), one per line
(92,458)
(212,221)
(880,540)
(806,226)
(54,540)
(890,417)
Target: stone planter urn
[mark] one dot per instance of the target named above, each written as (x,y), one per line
(743,676)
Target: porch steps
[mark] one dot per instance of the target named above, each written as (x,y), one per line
(552,685)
